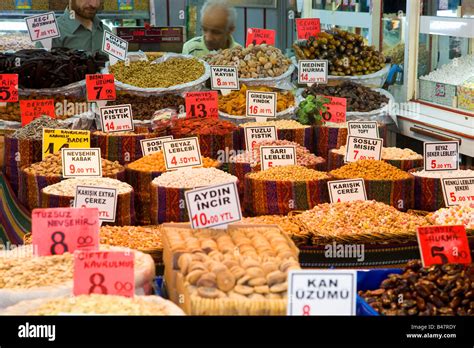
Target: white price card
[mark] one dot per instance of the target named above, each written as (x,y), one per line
(257,134)
(213,206)
(114,46)
(261,104)
(277,156)
(366,129)
(117,118)
(322,292)
(102,198)
(81,163)
(224,77)
(359,148)
(153,145)
(312,71)
(182,153)
(441,155)
(458,191)
(42,27)
(347,190)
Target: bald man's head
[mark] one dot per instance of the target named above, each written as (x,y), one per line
(218,23)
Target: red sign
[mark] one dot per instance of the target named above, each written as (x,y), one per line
(8,88)
(100,87)
(56,231)
(307,27)
(202,104)
(104,272)
(443,244)
(31,109)
(336,110)
(258,36)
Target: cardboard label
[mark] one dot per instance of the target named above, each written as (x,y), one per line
(261,104)
(313,71)
(257,36)
(257,134)
(104,273)
(347,190)
(213,206)
(81,163)
(54,140)
(151,146)
(114,46)
(443,244)
(441,155)
(365,129)
(117,118)
(100,87)
(359,148)
(56,231)
(307,27)
(102,198)
(182,153)
(8,88)
(224,77)
(458,191)
(336,110)
(322,292)
(202,104)
(277,156)
(32,109)
(42,27)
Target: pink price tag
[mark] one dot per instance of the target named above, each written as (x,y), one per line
(104,272)
(307,27)
(202,104)
(56,231)
(337,108)
(259,36)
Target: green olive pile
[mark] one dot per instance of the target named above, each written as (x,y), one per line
(346,53)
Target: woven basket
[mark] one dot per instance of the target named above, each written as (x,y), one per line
(336,161)
(168,205)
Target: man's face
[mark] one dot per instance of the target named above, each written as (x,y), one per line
(85,8)
(215,29)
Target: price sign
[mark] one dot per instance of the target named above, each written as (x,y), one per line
(54,140)
(81,163)
(182,153)
(8,88)
(56,231)
(202,104)
(307,27)
(102,198)
(277,156)
(257,36)
(366,129)
(313,71)
(42,27)
(114,46)
(441,155)
(104,273)
(443,244)
(458,191)
(347,190)
(257,134)
(32,109)
(261,104)
(359,148)
(100,87)
(213,206)
(336,110)
(117,118)
(224,77)
(322,292)
(153,145)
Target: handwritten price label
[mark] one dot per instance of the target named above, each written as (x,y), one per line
(117,118)
(202,104)
(359,148)
(56,231)
(443,244)
(8,88)
(307,27)
(55,140)
(257,36)
(336,110)
(105,273)
(182,153)
(313,71)
(277,156)
(458,191)
(261,104)
(100,87)
(114,46)
(224,77)
(347,190)
(257,134)
(81,163)
(151,146)
(42,27)
(32,109)
(102,198)
(441,155)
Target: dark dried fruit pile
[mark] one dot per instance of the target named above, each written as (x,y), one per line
(59,67)
(359,98)
(201,126)
(437,290)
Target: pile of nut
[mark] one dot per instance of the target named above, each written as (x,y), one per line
(436,290)
(370,170)
(389,153)
(15,42)
(134,237)
(288,173)
(193,177)
(156,163)
(68,187)
(279,124)
(254,61)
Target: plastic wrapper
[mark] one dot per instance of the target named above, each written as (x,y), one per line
(76,89)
